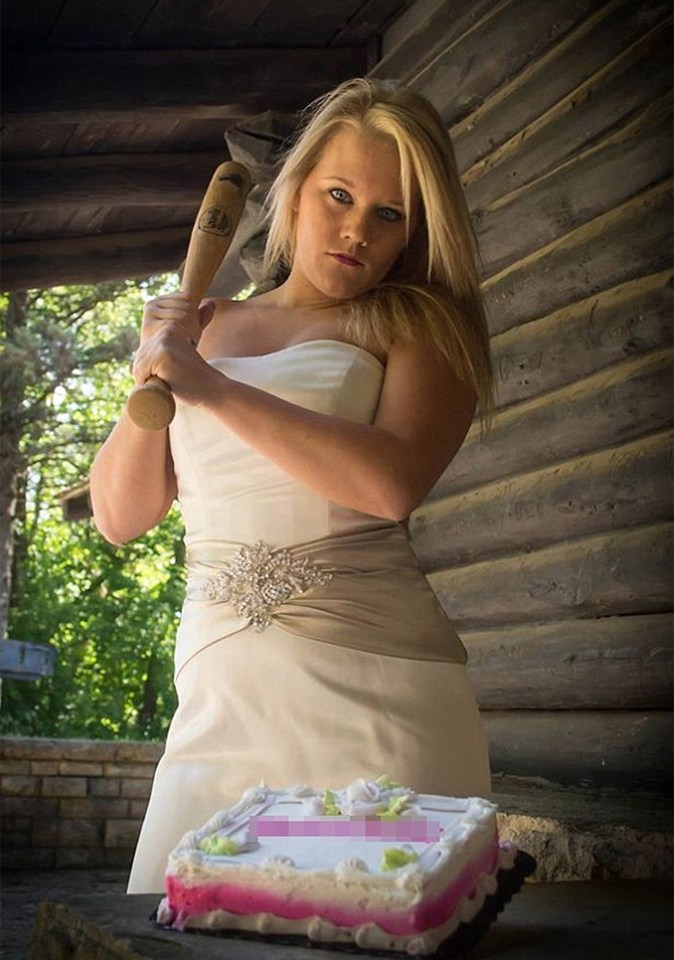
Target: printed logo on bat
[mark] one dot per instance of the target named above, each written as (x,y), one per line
(215,220)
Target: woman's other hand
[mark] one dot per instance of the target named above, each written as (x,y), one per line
(170,333)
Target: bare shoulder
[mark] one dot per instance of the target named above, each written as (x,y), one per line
(421,366)
(421,389)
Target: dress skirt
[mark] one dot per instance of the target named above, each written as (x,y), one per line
(278,708)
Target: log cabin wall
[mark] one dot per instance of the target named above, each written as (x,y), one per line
(548,540)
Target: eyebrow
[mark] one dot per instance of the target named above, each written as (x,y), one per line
(349,183)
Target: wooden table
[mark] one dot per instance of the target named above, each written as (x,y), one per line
(602,920)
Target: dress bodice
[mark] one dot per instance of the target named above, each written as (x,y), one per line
(228,491)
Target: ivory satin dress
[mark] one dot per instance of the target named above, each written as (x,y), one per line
(310,649)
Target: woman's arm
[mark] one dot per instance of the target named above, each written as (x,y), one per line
(132,482)
(385,468)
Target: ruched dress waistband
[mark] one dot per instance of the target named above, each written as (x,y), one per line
(362,590)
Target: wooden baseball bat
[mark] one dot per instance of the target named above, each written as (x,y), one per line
(151,405)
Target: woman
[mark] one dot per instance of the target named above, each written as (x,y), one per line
(311,420)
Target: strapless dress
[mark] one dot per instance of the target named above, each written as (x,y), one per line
(311,649)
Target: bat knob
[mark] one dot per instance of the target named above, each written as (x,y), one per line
(151,405)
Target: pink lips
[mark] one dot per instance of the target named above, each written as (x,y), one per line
(346,260)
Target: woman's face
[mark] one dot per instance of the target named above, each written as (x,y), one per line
(351,223)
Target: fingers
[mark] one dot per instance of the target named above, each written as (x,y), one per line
(173,308)
(170,356)
(206,313)
(158,354)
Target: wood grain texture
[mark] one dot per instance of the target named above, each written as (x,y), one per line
(117,84)
(603,491)
(623,402)
(44,263)
(593,111)
(512,106)
(604,177)
(623,243)
(607,663)
(144,179)
(586,748)
(621,573)
(458,76)
(584,337)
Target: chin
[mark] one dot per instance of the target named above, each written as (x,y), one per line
(345,291)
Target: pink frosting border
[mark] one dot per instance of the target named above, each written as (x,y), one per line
(192,901)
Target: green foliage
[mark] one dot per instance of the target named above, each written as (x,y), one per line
(111,612)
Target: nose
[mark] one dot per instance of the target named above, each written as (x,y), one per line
(355,228)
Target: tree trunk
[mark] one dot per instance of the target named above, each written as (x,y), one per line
(12,461)
(148,707)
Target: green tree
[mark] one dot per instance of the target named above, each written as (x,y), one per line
(111,612)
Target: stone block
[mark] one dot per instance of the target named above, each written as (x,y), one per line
(98,750)
(137,809)
(44,768)
(32,807)
(80,768)
(45,833)
(118,856)
(31,748)
(64,787)
(80,833)
(566,851)
(12,786)
(125,770)
(137,789)
(92,808)
(142,751)
(15,768)
(105,787)
(122,833)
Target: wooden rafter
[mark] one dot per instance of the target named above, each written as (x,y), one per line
(74,86)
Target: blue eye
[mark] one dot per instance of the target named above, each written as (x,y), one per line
(341,196)
(388,213)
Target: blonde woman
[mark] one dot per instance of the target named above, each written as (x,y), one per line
(311,420)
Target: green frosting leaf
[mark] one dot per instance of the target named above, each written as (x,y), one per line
(219,846)
(395,857)
(330,804)
(395,808)
(386,783)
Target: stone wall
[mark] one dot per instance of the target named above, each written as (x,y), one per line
(80,803)
(73,803)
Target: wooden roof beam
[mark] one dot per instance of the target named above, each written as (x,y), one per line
(73,86)
(32,264)
(175,179)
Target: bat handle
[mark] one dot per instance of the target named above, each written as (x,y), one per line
(151,405)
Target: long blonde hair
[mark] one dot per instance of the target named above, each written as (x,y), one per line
(433,289)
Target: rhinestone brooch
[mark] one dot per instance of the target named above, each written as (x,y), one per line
(257,579)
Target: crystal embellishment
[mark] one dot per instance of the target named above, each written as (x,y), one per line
(257,579)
